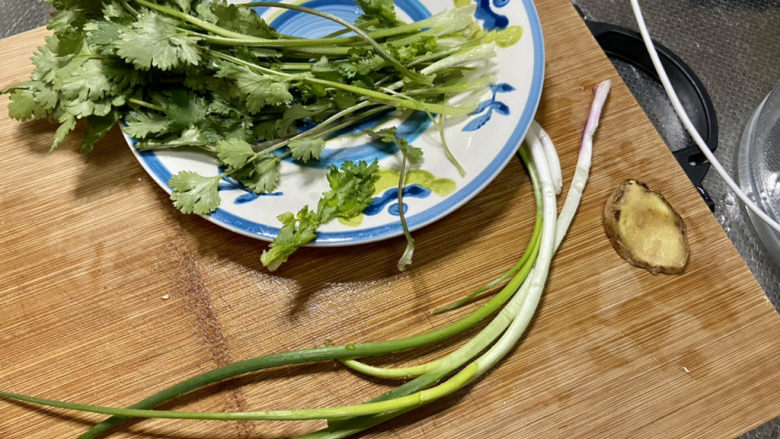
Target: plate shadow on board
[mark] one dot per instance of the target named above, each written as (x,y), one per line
(376,261)
(111,162)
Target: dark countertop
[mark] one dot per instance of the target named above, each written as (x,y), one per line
(733,46)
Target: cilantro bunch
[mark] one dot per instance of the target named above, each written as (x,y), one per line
(216,77)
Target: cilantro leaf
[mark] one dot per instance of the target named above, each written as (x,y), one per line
(183,107)
(344,99)
(258,90)
(23,105)
(142,124)
(409,51)
(350,194)
(154,41)
(88,81)
(86,86)
(307,149)
(97,127)
(67,24)
(192,136)
(298,111)
(193,193)
(383,10)
(46,62)
(268,91)
(184,5)
(45,96)
(261,175)
(351,190)
(242,20)
(361,63)
(222,107)
(388,135)
(265,130)
(203,10)
(81,108)
(215,129)
(285,127)
(102,35)
(113,9)
(297,230)
(67,124)
(235,153)
(413,153)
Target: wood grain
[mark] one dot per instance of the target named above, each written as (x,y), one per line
(90,248)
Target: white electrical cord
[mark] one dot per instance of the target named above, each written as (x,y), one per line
(689,125)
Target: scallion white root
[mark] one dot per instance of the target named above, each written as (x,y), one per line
(537,134)
(573,196)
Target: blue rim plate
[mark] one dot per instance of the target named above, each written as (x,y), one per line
(483,142)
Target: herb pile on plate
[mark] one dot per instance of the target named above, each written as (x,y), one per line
(216,77)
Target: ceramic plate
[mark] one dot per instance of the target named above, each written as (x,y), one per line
(482,142)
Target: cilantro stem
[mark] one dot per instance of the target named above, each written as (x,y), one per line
(451,21)
(337,33)
(127,6)
(457,110)
(289,43)
(414,76)
(264,42)
(453,88)
(435,55)
(318,131)
(295,66)
(198,22)
(309,52)
(142,103)
(321,130)
(150,146)
(439,123)
(252,65)
(11,88)
(406,257)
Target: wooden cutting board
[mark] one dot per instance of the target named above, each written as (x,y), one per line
(108,294)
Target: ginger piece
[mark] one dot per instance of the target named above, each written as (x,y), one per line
(645,230)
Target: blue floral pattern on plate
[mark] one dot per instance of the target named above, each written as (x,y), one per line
(486,109)
(491,20)
(227,184)
(390,195)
